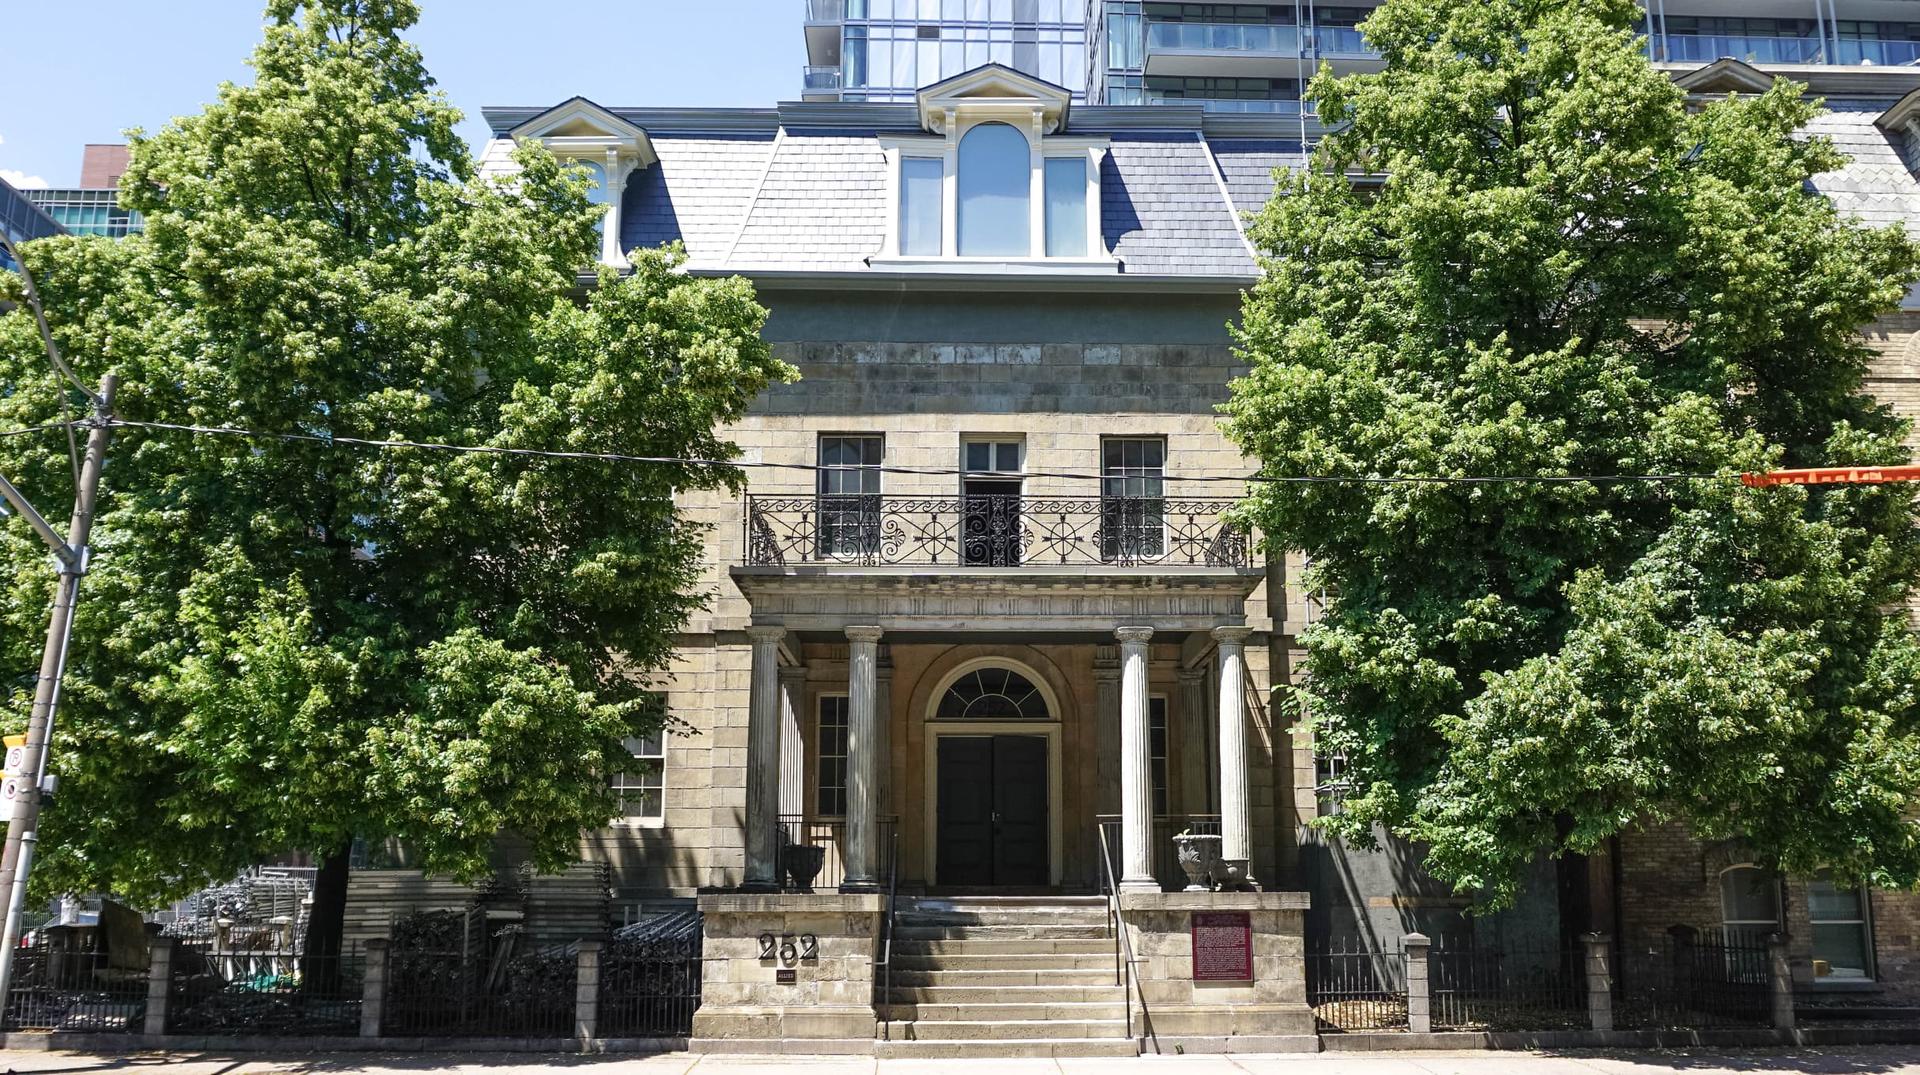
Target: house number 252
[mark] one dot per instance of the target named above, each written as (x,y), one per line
(789,948)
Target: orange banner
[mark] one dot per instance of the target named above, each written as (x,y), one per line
(1833,476)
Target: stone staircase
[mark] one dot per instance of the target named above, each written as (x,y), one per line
(1003,976)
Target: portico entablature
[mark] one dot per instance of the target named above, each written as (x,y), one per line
(831,597)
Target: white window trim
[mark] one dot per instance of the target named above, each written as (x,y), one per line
(1040,147)
(640,821)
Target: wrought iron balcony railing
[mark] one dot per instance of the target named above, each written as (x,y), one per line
(997,530)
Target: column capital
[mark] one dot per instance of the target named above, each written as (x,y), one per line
(1231,636)
(766,632)
(1133,635)
(864,634)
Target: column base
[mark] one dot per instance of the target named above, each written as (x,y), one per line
(758,887)
(860,886)
(1139,885)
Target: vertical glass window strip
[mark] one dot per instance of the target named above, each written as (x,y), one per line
(830,798)
(597,194)
(1841,948)
(848,524)
(853,56)
(1157,751)
(1066,187)
(995,189)
(921,181)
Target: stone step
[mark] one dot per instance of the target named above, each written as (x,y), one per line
(1001,961)
(1008,916)
(906,931)
(1070,1011)
(1005,1029)
(937,902)
(903,977)
(1002,994)
(998,1049)
(1021,946)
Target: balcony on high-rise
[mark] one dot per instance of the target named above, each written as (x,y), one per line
(823,21)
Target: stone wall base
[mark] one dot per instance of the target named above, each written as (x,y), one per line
(1227,1021)
(813,1022)
(1171,1045)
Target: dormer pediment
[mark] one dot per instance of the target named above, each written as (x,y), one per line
(1725,75)
(578,128)
(997,91)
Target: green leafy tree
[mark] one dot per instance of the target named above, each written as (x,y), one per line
(288,644)
(1565,271)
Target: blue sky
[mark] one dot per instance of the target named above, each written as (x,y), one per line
(75,74)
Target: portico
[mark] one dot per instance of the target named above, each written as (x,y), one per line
(1001,790)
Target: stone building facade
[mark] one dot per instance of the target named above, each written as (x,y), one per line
(981,607)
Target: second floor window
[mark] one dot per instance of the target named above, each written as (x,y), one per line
(1133,472)
(849,495)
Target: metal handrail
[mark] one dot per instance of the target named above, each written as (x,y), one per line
(886,950)
(1131,983)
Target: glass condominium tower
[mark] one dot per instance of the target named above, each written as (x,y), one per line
(884,50)
(1255,57)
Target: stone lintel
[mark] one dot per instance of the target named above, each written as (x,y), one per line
(1215,901)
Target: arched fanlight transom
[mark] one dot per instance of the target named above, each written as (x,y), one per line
(993,694)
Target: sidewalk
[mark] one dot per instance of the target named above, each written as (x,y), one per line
(1854,1061)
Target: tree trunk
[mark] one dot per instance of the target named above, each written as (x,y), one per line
(326,923)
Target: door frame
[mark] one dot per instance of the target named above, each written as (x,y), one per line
(1047,729)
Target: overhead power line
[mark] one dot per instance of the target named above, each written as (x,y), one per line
(620,457)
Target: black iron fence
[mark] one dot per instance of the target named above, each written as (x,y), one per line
(490,992)
(1507,987)
(1355,983)
(650,979)
(1166,859)
(74,990)
(1694,978)
(993,530)
(216,991)
(813,851)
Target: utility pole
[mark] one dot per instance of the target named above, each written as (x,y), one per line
(31,785)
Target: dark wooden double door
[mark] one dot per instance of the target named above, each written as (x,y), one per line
(993,811)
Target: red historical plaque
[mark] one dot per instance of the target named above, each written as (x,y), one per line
(1222,946)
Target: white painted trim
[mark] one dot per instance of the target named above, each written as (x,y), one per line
(746,217)
(1226,196)
(998,266)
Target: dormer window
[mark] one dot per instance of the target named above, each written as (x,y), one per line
(994,182)
(609,148)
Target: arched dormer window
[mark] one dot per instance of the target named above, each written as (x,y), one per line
(597,174)
(996,180)
(609,148)
(995,193)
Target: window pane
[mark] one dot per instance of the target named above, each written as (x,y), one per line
(1008,454)
(977,453)
(994,186)
(1066,207)
(1747,895)
(920,182)
(1826,903)
(1839,951)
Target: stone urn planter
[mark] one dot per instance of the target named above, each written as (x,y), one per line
(1199,858)
(802,864)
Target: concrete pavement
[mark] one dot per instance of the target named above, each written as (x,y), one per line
(1889,1060)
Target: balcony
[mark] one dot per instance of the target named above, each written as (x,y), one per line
(823,30)
(820,79)
(1887,52)
(1221,48)
(1750,48)
(994,531)
(1253,105)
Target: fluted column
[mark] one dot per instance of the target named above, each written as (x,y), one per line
(763,761)
(793,749)
(1195,742)
(1236,841)
(1136,763)
(863,760)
